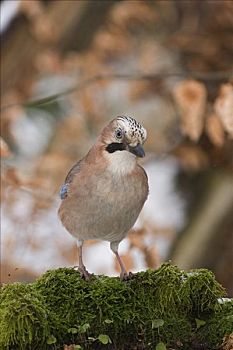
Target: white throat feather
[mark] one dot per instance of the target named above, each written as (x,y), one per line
(121,162)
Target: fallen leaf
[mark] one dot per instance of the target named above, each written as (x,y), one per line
(214,130)
(223,107)
(228,343)
(190,97)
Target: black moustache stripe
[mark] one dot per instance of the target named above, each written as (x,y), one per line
(115,146)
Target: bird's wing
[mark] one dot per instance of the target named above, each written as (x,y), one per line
(73,171)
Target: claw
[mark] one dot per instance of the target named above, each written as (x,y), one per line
(124,276)
(83,273)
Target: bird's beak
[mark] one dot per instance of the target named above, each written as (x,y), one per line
(137,150)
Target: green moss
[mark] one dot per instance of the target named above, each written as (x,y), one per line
(24,317)
(219,325)
(162,286)
(61,308)
(201,288)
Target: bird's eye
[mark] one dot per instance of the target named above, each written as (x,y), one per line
(119,133)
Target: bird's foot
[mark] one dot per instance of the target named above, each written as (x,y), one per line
(124,276)
(83,272)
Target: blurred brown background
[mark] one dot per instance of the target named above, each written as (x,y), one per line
(67,68)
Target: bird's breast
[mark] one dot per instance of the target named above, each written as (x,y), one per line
(106,206)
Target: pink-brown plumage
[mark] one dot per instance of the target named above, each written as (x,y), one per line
(105,191)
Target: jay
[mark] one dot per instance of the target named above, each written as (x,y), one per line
(105,191)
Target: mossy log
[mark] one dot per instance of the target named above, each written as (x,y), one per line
(170,307)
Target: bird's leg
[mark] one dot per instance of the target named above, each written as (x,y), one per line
(123,275)
(81,267)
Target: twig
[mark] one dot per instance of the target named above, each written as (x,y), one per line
(206,76)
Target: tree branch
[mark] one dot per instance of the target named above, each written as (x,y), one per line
(204,76)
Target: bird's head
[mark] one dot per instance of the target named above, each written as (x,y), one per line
(124,134)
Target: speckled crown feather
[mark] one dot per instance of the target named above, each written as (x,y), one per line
(134,131)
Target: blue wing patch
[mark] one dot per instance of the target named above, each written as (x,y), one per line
(64,191)
(69,178)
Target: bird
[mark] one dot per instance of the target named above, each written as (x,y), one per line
(103,193)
